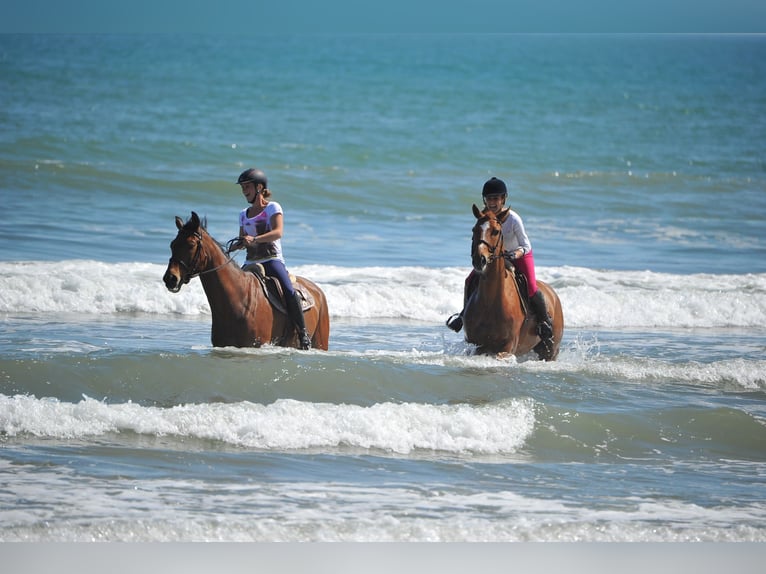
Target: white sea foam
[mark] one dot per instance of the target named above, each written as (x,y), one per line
(590,298)
(184,509)
(285,424)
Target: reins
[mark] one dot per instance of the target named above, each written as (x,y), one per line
(192,268)
(493,256)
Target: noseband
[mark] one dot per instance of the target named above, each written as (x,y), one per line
(190,269)
(492,248)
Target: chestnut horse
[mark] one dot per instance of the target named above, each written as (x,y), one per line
(494,318)
(242,314)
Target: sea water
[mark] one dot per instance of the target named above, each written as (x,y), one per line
(637,163)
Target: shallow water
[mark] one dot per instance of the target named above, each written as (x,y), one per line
(637,164)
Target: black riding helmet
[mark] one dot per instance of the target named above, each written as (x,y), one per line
(254,175)
(494,186)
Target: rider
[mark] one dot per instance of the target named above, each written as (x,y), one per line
(260,231)
(518,249)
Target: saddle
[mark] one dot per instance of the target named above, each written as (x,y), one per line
(272,288)
(521,287)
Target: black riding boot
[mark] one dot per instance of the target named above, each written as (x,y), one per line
(544,323)
(295,313)
(455,322)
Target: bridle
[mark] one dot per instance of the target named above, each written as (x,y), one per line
(191,268)
(491,248)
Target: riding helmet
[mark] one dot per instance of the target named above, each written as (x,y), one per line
(494,186)
(254,175)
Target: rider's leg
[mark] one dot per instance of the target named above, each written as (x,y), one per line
(276,268)
(544,323)
(455,322)
(295,312)
(526,265)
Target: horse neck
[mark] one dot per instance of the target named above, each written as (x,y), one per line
(221,278)
(212,255)
(494,279)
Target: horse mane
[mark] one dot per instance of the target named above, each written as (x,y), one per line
(191,227)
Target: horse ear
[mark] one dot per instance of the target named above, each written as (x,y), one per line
(179,223)
(476,212)
(194,221)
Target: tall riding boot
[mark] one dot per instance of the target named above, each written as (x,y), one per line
(544,323)
(455,322)
(295,313)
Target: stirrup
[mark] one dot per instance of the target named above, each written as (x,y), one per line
(455,322)
(304,340)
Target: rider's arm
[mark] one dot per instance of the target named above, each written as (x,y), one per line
(274,233)
(516,237)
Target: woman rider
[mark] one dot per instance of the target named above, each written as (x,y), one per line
(518,249)
(260,229)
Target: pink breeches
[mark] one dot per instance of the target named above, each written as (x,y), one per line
(526,265)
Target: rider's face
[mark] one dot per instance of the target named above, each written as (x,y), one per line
(249,191)
(494,202)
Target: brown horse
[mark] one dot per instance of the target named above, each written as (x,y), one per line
(494,317)
(242,314)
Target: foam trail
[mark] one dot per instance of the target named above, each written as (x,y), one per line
(591,298)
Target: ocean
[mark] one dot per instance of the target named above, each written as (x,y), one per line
(638,163)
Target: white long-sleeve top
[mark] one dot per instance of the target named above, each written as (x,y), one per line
(514,235)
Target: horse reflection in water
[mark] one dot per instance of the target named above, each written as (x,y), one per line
(494,316)
(242,313)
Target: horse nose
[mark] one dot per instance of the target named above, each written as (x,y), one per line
(170,280)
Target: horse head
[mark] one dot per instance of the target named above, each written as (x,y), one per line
(185,251)
(487,242)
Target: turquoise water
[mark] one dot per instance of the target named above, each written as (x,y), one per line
(637,163)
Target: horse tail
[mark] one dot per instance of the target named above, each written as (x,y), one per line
(321,336)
